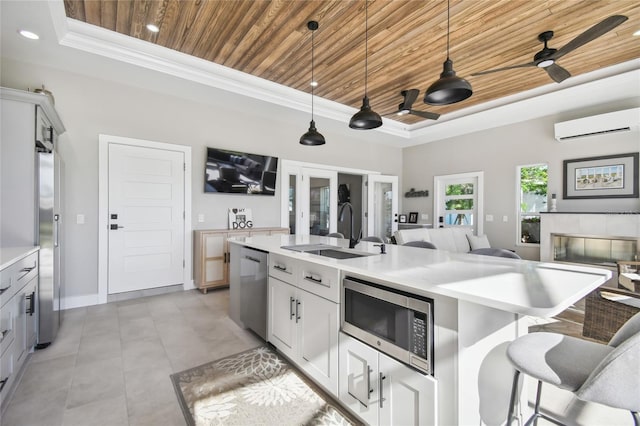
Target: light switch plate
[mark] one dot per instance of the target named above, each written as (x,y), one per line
(200,217)
(505,218)
(489,218)
(424,216)
(80,219)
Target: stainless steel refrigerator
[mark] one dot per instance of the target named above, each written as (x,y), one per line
(48,236)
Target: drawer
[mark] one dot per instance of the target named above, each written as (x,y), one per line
(7,325)
(283,267)
(6,372)
(16,276)
(321,280)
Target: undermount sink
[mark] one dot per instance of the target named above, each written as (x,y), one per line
(326,250)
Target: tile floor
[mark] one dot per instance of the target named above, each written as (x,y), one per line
(110,364)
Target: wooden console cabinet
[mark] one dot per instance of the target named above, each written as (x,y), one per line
(211,254)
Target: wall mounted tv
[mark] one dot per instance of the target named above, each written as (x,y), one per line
(240,173)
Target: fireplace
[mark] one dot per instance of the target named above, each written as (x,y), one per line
(594,250)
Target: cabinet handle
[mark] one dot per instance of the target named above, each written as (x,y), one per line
(369,371)
(380,379)
(280,268)
(3,382)
(315,280)
(25,271)
(297,308)
(32,303)
(253,259)
(2,290)
(291,300)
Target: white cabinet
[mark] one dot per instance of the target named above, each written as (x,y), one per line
(18,318)
(302,325)
(383,391)
(282,323)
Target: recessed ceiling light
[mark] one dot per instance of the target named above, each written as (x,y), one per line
(153,28)
(637,33)
(314,83)
(28,34)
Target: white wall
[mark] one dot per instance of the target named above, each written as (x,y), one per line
(498,151)
(165,109)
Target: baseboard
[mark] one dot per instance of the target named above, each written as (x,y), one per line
(78,301)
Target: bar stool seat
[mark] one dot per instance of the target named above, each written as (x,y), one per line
(551,357)
(607,374)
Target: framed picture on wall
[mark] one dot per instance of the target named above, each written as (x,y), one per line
(413,217)
(402,218)
(609,176)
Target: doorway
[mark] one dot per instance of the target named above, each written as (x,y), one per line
(144,216)
(458,201)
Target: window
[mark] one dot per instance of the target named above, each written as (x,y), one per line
(532,199)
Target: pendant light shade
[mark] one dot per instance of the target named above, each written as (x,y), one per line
(312,137)
(366,118)
(449,89)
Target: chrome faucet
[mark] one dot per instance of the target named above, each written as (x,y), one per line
(352,240)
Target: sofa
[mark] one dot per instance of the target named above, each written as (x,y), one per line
(454,239)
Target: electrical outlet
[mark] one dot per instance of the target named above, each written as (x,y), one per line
(489,218)
(80,219)
(505,218)
(200,217)
(424,216)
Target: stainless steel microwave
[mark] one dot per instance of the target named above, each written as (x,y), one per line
(394,322)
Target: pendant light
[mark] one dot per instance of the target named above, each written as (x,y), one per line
(312,137)
(366,118)
(449,89)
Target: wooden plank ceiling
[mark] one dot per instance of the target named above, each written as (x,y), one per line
(406,41)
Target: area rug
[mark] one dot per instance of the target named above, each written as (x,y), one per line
(252,388)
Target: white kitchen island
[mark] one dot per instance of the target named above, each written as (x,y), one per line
(480,304)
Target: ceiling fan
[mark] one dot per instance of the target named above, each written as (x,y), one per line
(547,57)
(410,97)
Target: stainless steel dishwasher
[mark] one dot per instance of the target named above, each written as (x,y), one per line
(253,290)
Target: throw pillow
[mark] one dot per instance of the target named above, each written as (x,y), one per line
(477,242)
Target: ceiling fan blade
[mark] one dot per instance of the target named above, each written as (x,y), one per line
(557,73)
(425,114)
(591,34)
(410,97)
(530,64)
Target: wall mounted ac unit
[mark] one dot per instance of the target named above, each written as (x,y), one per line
(613,122)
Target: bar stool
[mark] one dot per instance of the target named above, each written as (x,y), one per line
(607,374)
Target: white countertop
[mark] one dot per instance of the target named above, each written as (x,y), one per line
(520,286)
(10,255)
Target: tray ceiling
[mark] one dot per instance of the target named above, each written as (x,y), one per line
(406,46)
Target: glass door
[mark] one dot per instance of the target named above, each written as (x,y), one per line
(321,193)
(458,201)
(309,200)
(382,206)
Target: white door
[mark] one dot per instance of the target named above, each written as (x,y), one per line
(318,339)
(408,397)
(382,206)
(282,312)
(458,201)
(146,218)
(358,386)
